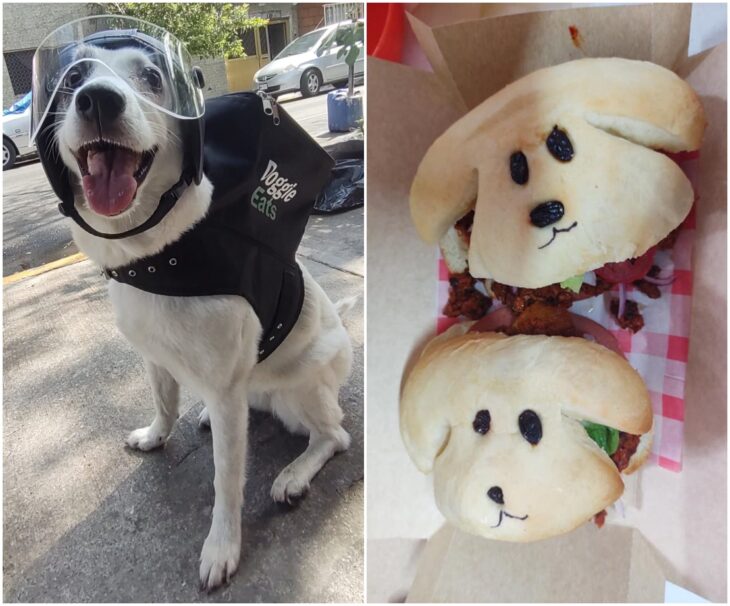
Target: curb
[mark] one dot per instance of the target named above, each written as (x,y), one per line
(41,269)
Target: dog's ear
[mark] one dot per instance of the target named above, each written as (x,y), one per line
(427,408)
(458,375)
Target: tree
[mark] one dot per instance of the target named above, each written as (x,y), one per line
(350,41)
(207,29)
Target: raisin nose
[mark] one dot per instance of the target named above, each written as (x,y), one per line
(495,493)
(547,213)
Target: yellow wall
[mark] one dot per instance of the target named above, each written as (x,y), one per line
(239,72)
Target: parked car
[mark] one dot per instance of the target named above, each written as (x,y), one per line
(298,67)
(16,132)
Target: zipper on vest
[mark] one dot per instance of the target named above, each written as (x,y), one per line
(270,107)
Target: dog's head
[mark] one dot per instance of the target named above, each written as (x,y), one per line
(124,151)
(498,421)
(562,170)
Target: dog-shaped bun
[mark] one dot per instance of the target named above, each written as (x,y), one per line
(563,168)
(498,421)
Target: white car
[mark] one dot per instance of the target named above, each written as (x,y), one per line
(16,137)
(298,67)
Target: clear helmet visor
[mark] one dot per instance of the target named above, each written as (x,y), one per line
(153,65)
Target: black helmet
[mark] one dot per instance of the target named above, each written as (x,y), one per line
(55,57)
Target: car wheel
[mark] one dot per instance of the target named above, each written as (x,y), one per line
(9,154)
(311,82)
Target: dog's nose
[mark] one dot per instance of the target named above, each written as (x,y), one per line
(100,103)
(547,213)
(495,493)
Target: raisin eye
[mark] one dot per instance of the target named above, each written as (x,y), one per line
(153,78)
(74,78)
(482,421)
(530,426)
(518,168)
(559,145)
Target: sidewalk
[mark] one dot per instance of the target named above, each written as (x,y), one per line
(88,520)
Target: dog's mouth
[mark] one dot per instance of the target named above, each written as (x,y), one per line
(111,174)
(504,514)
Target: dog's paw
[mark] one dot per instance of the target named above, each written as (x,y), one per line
(146,438)
(204,418)
(290,484)
(218,561)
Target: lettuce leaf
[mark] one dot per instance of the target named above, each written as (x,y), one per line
(605,437)
(573,283)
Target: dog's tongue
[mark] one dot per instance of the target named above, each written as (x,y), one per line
(110,185)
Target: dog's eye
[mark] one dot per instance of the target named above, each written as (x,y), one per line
(482,421)
(153,78)
(74,78)
(530,426)
(518,168)
(559,145)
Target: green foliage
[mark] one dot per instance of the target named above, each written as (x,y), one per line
(207,29)
(350,39)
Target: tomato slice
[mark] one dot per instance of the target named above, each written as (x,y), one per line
(503,318)
(627,271)
(601,335)
(500,318)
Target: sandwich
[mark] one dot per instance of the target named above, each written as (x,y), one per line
(526,425)
(560,186)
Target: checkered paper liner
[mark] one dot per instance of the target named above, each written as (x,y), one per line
(660,349)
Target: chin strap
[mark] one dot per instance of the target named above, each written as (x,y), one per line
(167,201)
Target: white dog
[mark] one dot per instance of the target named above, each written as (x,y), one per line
(208,344)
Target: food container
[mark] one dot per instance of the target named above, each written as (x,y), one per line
(673,525)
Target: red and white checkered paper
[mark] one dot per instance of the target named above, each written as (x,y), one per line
(659,350)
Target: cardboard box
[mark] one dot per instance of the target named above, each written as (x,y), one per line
(677,527)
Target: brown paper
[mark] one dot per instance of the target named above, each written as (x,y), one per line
(616,565)
(681,516)
(480,57)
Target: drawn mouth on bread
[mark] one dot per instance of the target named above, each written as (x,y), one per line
(504,514)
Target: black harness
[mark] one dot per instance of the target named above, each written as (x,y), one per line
(266,172)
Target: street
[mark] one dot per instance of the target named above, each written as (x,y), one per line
(88,520)
(33,230)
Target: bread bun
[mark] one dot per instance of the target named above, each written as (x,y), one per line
(558,479)
(619,197)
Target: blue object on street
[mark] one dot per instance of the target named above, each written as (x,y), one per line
(19,106)
(343,113)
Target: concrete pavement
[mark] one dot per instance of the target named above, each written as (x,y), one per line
(88,520)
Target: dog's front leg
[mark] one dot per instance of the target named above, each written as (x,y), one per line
(229,426)
(165,395)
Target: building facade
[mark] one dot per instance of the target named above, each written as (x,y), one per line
(26,25)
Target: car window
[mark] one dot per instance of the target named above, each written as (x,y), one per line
(302,44)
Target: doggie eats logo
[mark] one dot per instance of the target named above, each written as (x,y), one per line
(273,188)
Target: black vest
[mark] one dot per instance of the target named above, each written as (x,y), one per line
(266,173)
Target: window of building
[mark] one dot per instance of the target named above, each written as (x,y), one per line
(264,41)
(20,70)
(248,37)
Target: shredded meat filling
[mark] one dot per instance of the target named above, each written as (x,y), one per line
(627,445)
(543,319)
(463,226)
(464,299)
(519,299)
(632,318)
